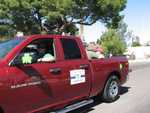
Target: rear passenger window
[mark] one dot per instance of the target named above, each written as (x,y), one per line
(71,49)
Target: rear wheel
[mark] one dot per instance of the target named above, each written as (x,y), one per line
(112,89)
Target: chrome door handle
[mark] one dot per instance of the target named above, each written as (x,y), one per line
(55,70)
(84,66)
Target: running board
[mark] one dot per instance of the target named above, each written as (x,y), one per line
(74,106)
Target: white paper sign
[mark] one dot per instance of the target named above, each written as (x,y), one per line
(77,76)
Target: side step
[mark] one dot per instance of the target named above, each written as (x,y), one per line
(74,106)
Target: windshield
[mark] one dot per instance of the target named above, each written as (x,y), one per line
(7,46)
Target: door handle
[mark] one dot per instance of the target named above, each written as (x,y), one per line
(55,70)
(84,66)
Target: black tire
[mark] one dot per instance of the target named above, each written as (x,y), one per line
(111,90)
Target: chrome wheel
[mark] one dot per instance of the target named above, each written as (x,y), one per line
(113,89)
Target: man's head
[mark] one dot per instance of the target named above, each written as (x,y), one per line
(42,49)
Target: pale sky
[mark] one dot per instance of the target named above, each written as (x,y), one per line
(137,17)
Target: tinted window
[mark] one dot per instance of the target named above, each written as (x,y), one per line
(71,49)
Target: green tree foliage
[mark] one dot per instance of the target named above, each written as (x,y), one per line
(5,32)
(122,29)
(127,35)
(136,41)
(136,44)
(34,16)
(20,12)
(112,43)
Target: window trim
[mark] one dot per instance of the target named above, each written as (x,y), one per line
(55,53)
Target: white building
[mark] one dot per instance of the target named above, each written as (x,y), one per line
(141,52)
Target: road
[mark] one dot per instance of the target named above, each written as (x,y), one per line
(135,94)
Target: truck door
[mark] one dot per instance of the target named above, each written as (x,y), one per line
(36,80)
(76,69)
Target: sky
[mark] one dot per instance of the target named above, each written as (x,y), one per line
(137,17)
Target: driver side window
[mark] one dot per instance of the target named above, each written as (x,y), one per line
(40,50)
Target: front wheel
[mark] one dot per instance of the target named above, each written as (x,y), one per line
(111,90)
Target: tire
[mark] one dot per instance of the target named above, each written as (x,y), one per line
(111,90)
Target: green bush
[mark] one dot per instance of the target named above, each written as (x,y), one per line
(112,43)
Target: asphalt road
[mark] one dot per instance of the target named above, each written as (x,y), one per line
(135,94)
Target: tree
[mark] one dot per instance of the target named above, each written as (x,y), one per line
(5,32)
(135,44)
(127,35)
(122,29)
(34,16)
(133,40)
(136,41)
(112,43)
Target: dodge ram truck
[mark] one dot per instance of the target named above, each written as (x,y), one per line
(52,73)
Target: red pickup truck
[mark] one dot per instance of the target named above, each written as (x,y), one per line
(52,73)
